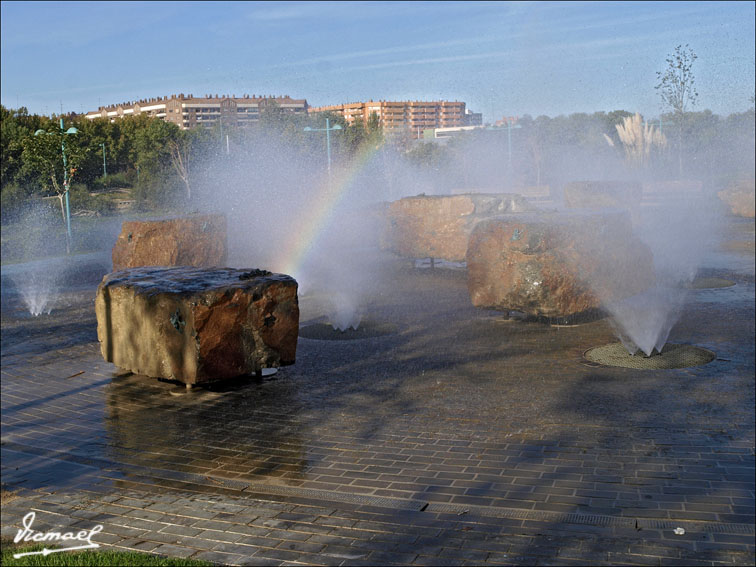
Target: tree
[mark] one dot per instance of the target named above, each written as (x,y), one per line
(375,135)
(15,126)
(180,160)
(427,154)
(677,89)
(612,120)
(42,158)
(352,137)
(186,148)
(150,153)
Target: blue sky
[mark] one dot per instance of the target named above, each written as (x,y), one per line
(501,58)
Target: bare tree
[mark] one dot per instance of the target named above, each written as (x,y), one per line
(180,160)
(677,88)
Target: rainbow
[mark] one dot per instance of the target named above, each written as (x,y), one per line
(320,212)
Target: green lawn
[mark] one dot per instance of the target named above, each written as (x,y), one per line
(103,557)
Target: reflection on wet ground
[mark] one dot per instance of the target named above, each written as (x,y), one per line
(451,371)
(204,432)
(456,406)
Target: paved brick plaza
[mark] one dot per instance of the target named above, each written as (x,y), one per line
(459,439)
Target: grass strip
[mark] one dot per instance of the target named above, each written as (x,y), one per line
(95,558)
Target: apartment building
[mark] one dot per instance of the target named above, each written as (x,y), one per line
(406,117)
(189,111)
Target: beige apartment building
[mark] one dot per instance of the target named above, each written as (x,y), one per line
(189,111)
(407,117)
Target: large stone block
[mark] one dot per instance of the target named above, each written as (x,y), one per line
(197,325)
(438,226)
(556,265)
(193,240)
(602,194)
(740,198)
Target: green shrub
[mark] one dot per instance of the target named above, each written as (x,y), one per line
(83,200)
(114,181)
(12,200)
(157,191)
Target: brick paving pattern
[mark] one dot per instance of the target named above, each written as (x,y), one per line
(460,439)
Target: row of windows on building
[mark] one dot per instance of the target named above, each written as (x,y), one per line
(188,111)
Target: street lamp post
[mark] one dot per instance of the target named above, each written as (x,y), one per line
(104,167)
(327,130)
(510,126)
(71,130)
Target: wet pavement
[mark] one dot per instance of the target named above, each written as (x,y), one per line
(455,436)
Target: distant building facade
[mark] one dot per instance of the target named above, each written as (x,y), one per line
(473,118)
(406,117)
(446,133)
(188,111)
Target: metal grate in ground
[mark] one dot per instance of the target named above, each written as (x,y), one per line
(671,356)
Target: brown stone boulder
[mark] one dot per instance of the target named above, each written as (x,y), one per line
(194,240)
(438,226)
(197,325)
(602,194)
(741,198)
(556,265)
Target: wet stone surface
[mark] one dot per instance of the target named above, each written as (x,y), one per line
(438,226)
(197,325)
(556,265)
(462,438)
(192,240)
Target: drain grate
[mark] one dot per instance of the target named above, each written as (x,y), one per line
(592,519)
(367,330)
(672,356)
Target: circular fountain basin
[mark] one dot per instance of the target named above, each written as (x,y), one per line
(671,356)
(710,283)
(366,330)
(25,313)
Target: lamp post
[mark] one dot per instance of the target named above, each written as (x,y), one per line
(71,130)
(327,130)
(104,166)
(510,126)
